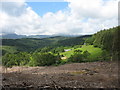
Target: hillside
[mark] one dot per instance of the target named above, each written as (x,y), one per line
(58,50)
(95,52)
(31,44)
(109,40)
(62,62)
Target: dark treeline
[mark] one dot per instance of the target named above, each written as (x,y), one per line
(108,40)
(116,45)
(31,44)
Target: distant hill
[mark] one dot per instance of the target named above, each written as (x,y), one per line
(15,36)
(12,36)
(30,44)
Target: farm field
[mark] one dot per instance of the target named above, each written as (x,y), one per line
(94,52)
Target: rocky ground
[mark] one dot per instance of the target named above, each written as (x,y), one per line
(76,75)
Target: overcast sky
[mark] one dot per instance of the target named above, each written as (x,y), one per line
(48,18)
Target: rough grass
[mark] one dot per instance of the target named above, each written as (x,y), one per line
(94,52)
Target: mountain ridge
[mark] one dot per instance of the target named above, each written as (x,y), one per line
(15,36)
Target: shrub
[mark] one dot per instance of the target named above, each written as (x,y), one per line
(86,54)
(77,57)
(77,51)
(17,59)
(44,59)
(105,55)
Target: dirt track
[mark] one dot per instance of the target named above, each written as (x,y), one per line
(77,75)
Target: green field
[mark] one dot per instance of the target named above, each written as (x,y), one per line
(94,52)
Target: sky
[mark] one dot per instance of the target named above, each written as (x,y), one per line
(71,17)
(42,8)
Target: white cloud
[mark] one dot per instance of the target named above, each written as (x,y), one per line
(94,8)
(13,8)
(82,17)
(27,22)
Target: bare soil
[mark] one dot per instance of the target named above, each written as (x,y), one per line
(75,75)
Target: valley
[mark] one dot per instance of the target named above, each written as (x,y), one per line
(89,61)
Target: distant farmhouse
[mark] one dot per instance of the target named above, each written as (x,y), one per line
(85,44)
(67,50)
